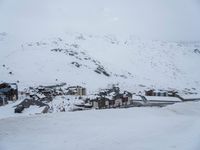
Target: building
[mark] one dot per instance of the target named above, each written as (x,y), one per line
(81,91)
(8,92)
(127,98)
(153,92)
(149,92)
(155,100)
(138,100)
(162,99)
(100,103)
(76,90)
(189,97)
(116,101)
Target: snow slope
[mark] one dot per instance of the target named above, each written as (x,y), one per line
(128,60)
(172,127)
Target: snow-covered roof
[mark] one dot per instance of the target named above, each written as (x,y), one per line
(136,97)
(190,96)
(163,98)
(87,104)
(40,95)
(109,97)
(92,96)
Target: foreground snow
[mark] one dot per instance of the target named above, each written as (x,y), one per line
(172,127)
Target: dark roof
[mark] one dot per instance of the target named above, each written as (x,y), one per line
(4,85)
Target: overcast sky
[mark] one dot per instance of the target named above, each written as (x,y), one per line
(154,19)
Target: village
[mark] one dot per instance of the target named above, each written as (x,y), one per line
(113,97)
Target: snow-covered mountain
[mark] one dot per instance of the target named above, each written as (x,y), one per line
(95,61)
(93,43)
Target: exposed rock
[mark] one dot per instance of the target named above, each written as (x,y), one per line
(197,51)
(101,70)
(19,109)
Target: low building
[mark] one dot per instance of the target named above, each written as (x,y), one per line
(8,92)
(189,97)
(162,99)
(153,92)
(155,100)
(138,100)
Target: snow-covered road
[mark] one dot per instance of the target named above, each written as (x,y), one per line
(173,127)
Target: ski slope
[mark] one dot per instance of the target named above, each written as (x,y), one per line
(172,127)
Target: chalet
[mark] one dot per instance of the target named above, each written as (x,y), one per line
(121,100)
(114,101)
(8,92)
(118,100)
(100,102)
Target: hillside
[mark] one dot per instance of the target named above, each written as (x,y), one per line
(95,43)
(95,61)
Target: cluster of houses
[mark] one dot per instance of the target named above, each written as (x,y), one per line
(105,98)
(115,101)
(56,90)
(150,97)
(41,96)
